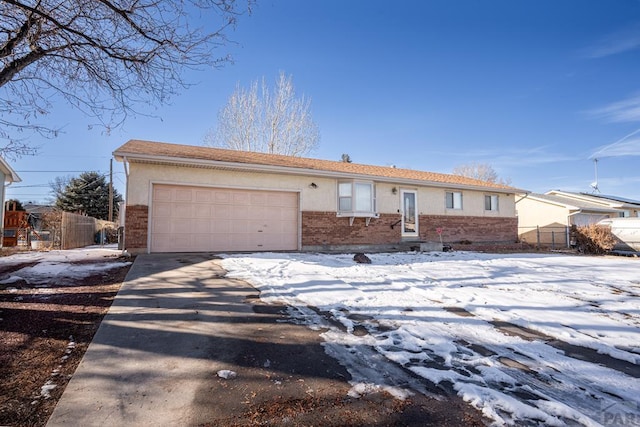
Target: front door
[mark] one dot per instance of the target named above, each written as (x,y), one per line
(409,213)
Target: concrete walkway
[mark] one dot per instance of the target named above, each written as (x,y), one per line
(174,324)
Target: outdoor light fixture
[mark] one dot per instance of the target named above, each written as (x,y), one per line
(313,185)
(394,190)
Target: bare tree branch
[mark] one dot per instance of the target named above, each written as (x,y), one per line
(109,58)
(480,171)
(265,120)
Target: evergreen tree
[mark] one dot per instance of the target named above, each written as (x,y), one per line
(88,194)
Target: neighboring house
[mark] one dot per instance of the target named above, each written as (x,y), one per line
(630,208)
(183,198)
(7,176)
(546,218)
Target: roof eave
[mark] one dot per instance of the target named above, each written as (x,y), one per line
(253,167)
(10,174)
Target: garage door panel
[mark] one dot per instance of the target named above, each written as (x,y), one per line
(257,212)
(289,215)
(201,226)
(221,211)
(214,219)
(180,227)
(161,194)
(257,199)
(202,211)
(283,200)
(241,198)
(239,212)
(220,226)
(161,224)
(162,210)
(238,227)
(222,197)
(183,194)
(203,196)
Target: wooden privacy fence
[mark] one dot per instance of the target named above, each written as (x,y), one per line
(77,231)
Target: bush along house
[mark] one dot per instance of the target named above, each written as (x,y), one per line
(182,198)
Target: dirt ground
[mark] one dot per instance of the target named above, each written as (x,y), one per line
(44,332)
(46,329)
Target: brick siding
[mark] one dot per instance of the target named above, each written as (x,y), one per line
(326,229)
(135,229)
(475,229)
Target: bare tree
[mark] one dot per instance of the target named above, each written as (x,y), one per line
(481,171)
(266,120)
(106,58)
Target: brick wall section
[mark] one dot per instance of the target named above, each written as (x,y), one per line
(324,228)
(135,228)
(476,229)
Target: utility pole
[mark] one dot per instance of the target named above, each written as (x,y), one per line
(111,190)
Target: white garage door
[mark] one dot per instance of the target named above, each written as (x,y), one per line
(588,219)
(201,219)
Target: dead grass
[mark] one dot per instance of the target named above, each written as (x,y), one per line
(44,332)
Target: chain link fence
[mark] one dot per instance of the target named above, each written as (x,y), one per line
(550,236)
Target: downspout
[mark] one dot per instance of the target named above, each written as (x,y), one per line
(522,198)
(569,227)
(126,196)
(4,192)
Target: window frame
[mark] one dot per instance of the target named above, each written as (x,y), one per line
(453,200)
(490,198)
(353,211)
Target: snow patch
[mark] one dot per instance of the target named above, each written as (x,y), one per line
(480,325)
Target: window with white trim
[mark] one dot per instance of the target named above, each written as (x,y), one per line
(491,202)
(356,197)
(453,200)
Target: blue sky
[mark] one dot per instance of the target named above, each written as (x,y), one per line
(533,88)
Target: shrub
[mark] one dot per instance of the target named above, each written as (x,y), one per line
(593,239)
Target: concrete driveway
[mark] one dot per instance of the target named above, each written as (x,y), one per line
(177,321)
(174,324)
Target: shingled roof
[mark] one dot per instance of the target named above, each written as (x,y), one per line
(159,152)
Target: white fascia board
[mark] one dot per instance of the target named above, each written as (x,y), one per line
(214,164)
(9,174)
(586,198)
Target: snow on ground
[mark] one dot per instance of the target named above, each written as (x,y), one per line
(529,339)
(70,263)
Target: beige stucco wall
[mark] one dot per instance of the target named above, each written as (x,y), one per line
(431,200)
(533,212)
(2,178)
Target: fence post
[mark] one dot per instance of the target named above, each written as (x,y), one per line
(63,230)
(538,236)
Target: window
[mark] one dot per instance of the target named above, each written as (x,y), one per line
(345,196)
(490,203)
(356,197)
(454,200)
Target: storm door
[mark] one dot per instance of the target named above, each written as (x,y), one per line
(409,213)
